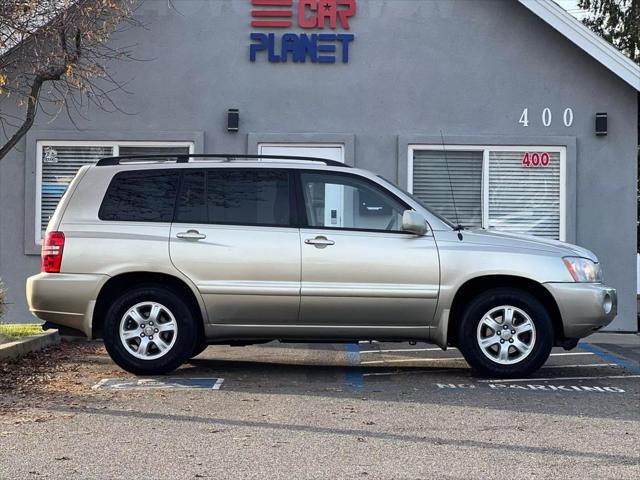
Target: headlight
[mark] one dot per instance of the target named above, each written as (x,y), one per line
(583,269)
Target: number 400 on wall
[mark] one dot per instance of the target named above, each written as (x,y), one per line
(547,117)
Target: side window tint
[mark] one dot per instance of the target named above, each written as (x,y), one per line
(140,196)
(192,207)
(248,197)
(345,201)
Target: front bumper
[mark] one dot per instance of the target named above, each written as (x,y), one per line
(65,298)
(584,307)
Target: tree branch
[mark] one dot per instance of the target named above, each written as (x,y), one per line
(63,43)
(32,102)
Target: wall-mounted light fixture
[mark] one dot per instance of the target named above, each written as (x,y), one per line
(601,123)
(233,120)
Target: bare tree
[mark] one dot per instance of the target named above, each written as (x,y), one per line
(54,58)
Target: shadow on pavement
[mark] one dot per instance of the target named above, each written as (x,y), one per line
(493,445)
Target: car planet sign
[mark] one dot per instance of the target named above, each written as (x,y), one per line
(281,47)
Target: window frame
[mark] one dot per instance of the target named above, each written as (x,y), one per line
(302,211)
(486,151)
(293,204)
(114,144)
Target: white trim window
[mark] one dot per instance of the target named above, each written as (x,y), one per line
(519,189)
(58,161)
(330,151)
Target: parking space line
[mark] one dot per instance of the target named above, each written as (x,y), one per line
(401,350)
(555,378)
(441,359)
(409,360)
(609,357)
(354,377)
(402,372)
(570,354)
(582,365)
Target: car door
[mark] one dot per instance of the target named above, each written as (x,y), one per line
(358,267)
(232,235)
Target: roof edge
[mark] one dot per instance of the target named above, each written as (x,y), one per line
(583,37)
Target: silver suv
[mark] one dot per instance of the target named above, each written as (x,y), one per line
(161,257)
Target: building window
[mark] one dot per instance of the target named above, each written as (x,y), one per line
(59,161)
(440,188)
(513,189)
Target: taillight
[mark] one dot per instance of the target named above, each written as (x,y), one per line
(52,248)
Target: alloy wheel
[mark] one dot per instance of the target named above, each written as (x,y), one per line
(148,330)
(506,335)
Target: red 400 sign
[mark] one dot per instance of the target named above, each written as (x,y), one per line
(534,159)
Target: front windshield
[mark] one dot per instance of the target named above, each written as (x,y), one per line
(418,201)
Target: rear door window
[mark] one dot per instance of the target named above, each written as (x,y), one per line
(192,204)
(225,196)
(141,196)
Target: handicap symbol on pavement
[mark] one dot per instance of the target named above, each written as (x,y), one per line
(166,383)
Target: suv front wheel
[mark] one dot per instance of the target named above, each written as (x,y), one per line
(149,330)
(505,332)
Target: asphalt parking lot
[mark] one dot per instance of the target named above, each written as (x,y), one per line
(367,410)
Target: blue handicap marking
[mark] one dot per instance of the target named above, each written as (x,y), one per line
(165,383)
(610,357)
(354,377)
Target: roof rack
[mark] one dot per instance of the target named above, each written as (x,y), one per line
(184,158)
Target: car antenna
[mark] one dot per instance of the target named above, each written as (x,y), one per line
(458,228)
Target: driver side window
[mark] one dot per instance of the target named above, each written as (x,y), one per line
(348,202)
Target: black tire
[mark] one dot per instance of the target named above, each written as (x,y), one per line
(187,336)
(200,347)
(468,341)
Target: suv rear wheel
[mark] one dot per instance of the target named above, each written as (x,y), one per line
(200,347)
(505,332)
(150,330)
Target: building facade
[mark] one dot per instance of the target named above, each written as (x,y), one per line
(489,105)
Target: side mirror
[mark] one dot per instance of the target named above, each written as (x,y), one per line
(413,222)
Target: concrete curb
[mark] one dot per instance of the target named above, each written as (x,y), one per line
(17,349)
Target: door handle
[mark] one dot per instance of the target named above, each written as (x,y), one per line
(191,235)
(320,242)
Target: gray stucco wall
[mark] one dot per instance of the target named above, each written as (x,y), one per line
(416,67)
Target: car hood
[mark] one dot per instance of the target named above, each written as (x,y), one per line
(513,240)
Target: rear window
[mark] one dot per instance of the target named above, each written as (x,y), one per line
(235,197)
(141,196)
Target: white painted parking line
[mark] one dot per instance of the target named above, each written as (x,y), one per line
(556,379)
(570,354)
(582,365)
(400,350)
(409,360)
(403,372)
